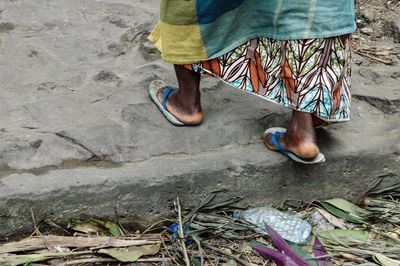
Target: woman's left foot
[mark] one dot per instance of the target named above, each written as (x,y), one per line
(304,148)
(299,138)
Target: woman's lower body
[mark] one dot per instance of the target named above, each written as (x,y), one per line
(312,77)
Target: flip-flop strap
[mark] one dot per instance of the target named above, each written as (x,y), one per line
(165,96)
(275,141)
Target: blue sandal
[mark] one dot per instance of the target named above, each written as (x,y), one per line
(278,132)
(154,87)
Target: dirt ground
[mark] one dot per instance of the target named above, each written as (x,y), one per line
(378,24)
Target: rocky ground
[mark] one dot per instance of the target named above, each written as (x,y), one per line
(79,134)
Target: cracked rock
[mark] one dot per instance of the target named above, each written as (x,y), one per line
(132,34)
(385,105)
(6,27)
(107,76)
(370,75)
(393,28)
(46,86)
(395,75)
(36,144)
(118,22)
(117,49)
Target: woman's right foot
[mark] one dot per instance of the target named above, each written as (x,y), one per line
(187,110)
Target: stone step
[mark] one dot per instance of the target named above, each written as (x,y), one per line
(80,137)
(357,152)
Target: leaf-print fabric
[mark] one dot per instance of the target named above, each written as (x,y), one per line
(306,75)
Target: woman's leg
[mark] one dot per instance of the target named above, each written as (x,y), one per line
(300,137)
(185,104)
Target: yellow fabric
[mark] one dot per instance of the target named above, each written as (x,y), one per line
(179,44)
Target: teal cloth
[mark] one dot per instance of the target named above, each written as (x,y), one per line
(276,19)
(196,30)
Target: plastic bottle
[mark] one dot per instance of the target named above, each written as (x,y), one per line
(287,225)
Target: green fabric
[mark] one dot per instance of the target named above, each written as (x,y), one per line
(178,12)
(224,25)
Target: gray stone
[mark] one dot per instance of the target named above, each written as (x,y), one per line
(75,141)
(393,29)
(133,33)
(395,75)
(368,15)
(119,22)
(377,86)
(358,61)
(370,75)
(385,105)
(33,53)
(45,86)
(117,49)
(107,76)
(366,30)
(6,26)
(149,48)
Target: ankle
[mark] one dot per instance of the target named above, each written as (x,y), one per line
(189,102)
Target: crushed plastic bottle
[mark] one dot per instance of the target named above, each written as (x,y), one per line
(287,225)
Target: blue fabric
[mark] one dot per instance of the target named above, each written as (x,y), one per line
(276,143)
(209,10)
(277,19)
(192,31)
(165,95)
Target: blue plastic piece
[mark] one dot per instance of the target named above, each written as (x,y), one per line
(175,229)
(165,95)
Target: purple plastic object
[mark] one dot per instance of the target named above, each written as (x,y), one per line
(320,251)
(283,247)
(280,259)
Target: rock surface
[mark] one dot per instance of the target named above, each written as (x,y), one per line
(394,29)
(79,134)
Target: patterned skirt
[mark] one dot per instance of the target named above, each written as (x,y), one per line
(305,75)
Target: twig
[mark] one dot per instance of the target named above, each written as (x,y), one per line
(35,228)
(181,234)
(169,254)
(200,250)
(229,255)
(387,236)
(154,260)
(52,223)
(209,257)
(82,261)
(374,58)
(117,221)
(97,260)
(153,225)
(37,243)
(37,231)
(44,257)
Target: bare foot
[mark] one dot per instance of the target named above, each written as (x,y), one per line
(189,114)
(305,150)
(300,137)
